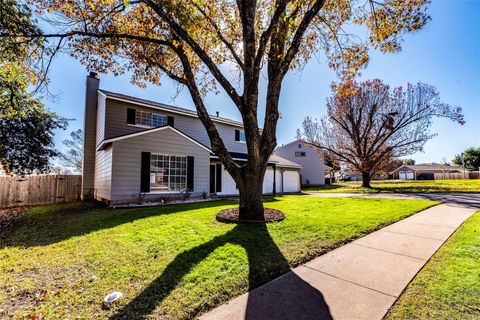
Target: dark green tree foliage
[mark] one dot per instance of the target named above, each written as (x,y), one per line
(471,157)
(26,127)
(26,140)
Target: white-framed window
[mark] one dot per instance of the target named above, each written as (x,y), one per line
(150,119)
(241,136)
(300,154)
(167,172)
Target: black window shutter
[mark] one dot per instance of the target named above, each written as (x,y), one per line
(145,172)
(218,176)
(237,135)
(130,116)
(190,170)
(170,121)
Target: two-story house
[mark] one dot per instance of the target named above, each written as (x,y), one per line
(309,157)
(138,148)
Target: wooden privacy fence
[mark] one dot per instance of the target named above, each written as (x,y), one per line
(39,189)
(457,175)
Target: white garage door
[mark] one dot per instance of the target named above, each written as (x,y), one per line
(268,181)
(291,181)
(405,175)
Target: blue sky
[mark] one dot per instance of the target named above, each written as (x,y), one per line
(445,53)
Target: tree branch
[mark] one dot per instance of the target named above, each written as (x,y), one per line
(182,34)
(220,36)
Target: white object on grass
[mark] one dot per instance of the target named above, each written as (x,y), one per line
(112,297)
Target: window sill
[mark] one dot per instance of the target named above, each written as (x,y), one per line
(162,192)
(242,142)
(139,126)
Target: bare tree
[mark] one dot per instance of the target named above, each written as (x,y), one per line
(369,124)
(72,158)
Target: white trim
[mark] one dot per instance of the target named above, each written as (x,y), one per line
(170,110)
(103,94)
(162,192)
(140,133)
(139,126)
(236,159)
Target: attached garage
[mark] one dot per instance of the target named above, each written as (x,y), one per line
(424,171)
(282,173)
(406,175)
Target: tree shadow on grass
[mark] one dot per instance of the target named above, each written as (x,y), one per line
(298,300)
(51,224)
(45,225)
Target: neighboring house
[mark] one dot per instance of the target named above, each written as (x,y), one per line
(309,157)
(423,171)
(135,148)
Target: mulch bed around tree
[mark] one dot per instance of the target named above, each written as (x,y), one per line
(231,216)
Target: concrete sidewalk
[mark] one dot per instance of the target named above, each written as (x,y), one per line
(360,280)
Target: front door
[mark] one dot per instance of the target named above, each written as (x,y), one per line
(216,178)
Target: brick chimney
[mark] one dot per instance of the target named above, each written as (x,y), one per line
(89,135)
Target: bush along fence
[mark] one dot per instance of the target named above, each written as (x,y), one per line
(39,189)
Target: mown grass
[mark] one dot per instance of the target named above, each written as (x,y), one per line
(397,186)
(171,262)
(448,287)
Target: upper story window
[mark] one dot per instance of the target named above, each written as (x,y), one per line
(299,145)
(150,119)
(240,136)
(300,154)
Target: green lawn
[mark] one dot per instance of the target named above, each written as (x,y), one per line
(172,262)
(394,186)
(448,287)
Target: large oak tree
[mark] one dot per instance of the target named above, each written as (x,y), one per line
(368,124)
(193,42)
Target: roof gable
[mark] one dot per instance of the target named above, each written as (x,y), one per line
(102,145)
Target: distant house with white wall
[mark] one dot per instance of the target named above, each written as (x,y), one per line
(309,157)
(422,171)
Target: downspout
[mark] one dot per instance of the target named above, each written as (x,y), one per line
(274,178)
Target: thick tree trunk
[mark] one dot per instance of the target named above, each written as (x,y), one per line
(366,178)
(250,186)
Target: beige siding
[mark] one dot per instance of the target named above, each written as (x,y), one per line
(116,125)
(101,118)
(127,162)
(103,174)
